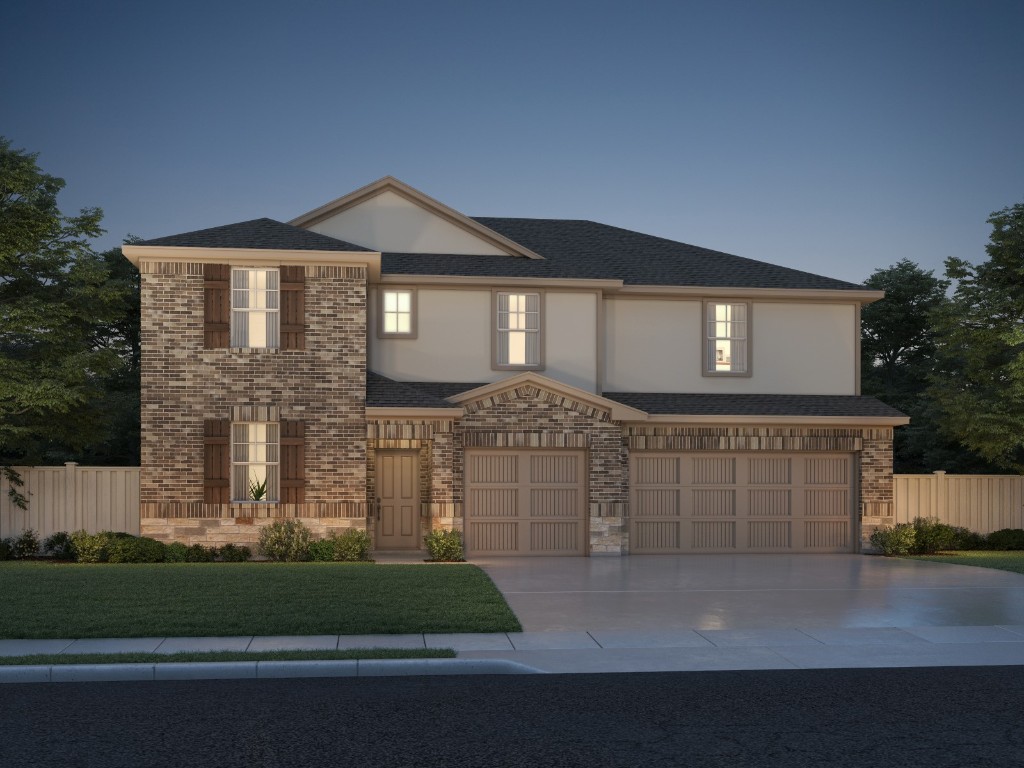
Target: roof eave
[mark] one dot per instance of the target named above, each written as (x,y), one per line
(837,421)
(136,254)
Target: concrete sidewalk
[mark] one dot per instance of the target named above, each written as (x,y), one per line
(556,652)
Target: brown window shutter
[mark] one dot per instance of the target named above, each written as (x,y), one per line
(217,306)
(293,462)
(293,307)
(217,461)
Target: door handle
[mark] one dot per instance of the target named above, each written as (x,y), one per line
(378,507)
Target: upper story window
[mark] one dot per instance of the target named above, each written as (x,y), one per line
(397,312)
(727,338)
(517,330)
(255,461)
(255,308)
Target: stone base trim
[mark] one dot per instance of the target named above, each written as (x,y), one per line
(609,535)
(218,532)
(198,510)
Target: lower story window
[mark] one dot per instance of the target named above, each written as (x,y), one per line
(255,461)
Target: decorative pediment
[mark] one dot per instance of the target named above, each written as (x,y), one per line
(535,387)
(390,216)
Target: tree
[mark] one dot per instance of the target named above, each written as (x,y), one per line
(897,359)
(978,382)
(55,297)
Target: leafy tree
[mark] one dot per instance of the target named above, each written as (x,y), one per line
(898,348)
(978,383)
(58,304)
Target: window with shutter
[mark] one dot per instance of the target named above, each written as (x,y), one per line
(517,330)
(293,307)
(293,462)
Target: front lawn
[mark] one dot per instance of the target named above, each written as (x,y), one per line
(1004,561)
(51,600)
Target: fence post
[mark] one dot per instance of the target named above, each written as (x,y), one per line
(70,493)
(941,496)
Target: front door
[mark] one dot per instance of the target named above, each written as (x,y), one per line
(398,526)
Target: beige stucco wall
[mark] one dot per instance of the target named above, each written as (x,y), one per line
(797,348)
(453,341)
(389,222)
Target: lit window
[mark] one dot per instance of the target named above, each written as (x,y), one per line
(254,461)
(255,314)
(518,326)
(397,313)
(727,334)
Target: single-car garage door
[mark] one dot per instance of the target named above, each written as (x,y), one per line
(744,502)
(523,502)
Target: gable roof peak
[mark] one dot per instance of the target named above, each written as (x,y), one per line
(424,201)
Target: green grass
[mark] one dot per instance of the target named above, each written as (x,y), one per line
(50,600)
(1003,561)
(49,659)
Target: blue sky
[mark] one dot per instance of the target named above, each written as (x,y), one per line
(835,137)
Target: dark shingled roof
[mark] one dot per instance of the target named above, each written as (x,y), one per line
(382,392)
(754,405)
(265,234)
(582,249)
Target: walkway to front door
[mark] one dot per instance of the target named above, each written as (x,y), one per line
(398,499)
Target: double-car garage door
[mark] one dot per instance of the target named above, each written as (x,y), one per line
(534,502)
(744,502)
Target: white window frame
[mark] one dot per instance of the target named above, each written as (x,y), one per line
(383,313)
(521,319)
(257,301)
(269,459)
(710,337)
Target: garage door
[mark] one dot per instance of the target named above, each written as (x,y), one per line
(526,502)
(699,502)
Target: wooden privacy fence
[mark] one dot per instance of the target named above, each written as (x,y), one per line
(70,498)
(983,503)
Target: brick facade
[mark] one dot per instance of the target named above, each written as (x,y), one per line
(184,384)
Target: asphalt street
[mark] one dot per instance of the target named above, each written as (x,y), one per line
(964,716)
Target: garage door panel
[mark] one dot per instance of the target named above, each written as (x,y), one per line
(526,502)
(770,502)
(713,503)
(714,471)
(770,534)
(658,470)
(714,535)
(495,538)
(492,468)
(742,502)
(658,502)
(554,538)
(655,536)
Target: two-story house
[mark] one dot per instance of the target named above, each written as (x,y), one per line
(550,387)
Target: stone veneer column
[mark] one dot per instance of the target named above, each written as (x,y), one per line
(184,384)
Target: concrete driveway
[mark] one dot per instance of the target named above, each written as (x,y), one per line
(669,592)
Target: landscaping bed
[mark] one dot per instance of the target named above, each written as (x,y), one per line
(62,600)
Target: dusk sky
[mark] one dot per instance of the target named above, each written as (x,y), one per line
(834,137)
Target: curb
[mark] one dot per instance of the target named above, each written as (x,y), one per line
(259,670)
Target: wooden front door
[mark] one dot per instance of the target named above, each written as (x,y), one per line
(398,525)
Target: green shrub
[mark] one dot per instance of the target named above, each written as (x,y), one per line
(966,539)
(6,549)
(232,553)
(59,546)
(197,553)
(931,536)
(444,546)
(135,549)
(321,550)
(90,547)
(176,552)
(1006,539)
(353,545)
(898,540)
(27,544)
(285,541)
